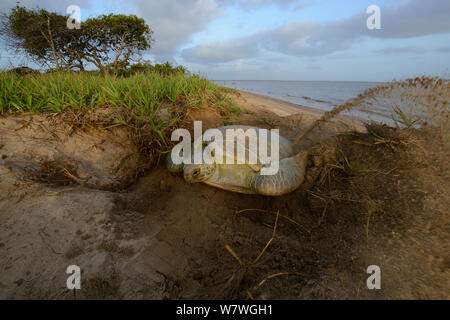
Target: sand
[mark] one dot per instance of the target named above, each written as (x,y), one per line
(156,237)
(279,107)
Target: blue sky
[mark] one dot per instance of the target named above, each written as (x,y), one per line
(287,39)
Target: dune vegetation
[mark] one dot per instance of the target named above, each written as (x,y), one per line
(154,101)
(143,94)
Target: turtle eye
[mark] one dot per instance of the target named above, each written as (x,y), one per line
(196,172)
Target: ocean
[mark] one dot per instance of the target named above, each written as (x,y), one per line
(323,95)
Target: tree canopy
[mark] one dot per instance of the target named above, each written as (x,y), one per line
(109,41)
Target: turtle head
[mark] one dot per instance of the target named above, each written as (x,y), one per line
(198,172)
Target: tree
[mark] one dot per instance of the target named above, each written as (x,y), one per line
(42,35)
(164,69)
(109,41)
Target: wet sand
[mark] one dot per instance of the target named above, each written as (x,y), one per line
(279,107)
(286,109)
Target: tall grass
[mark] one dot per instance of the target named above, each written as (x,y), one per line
(144,93)
(138,100)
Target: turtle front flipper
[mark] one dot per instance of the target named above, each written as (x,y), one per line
(290,176)
(172,167)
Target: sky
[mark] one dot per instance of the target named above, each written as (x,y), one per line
(314,40)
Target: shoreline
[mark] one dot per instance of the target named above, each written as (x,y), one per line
(280,107)
(287,109)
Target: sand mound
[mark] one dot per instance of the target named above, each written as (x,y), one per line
(95,158)
(72,197)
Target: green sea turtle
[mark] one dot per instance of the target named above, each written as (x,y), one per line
(247,178)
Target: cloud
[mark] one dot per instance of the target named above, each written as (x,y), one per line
(313,67)
(397,50)
(443,49)
(305,4)
(339,56)
(286,37)
(174,21)
(283,4)
(222,51)
(50,5)
(412,18)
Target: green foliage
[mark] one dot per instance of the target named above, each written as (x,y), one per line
(115,34)
(118,27)
(140,67)
(137,100)
(43,35)
(108,41)
(144,94)
(401,119)
(165,69)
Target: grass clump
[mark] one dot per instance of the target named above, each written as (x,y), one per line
(153,104)
(146,93)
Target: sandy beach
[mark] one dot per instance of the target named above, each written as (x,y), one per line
(326,175)
(154,236)
(279,107)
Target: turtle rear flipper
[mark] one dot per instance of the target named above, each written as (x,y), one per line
(289,177)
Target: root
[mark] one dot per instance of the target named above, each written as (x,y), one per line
(292,221)
(50,172)
(272,276)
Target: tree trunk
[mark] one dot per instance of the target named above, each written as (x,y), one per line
(52,44)
(81,66)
